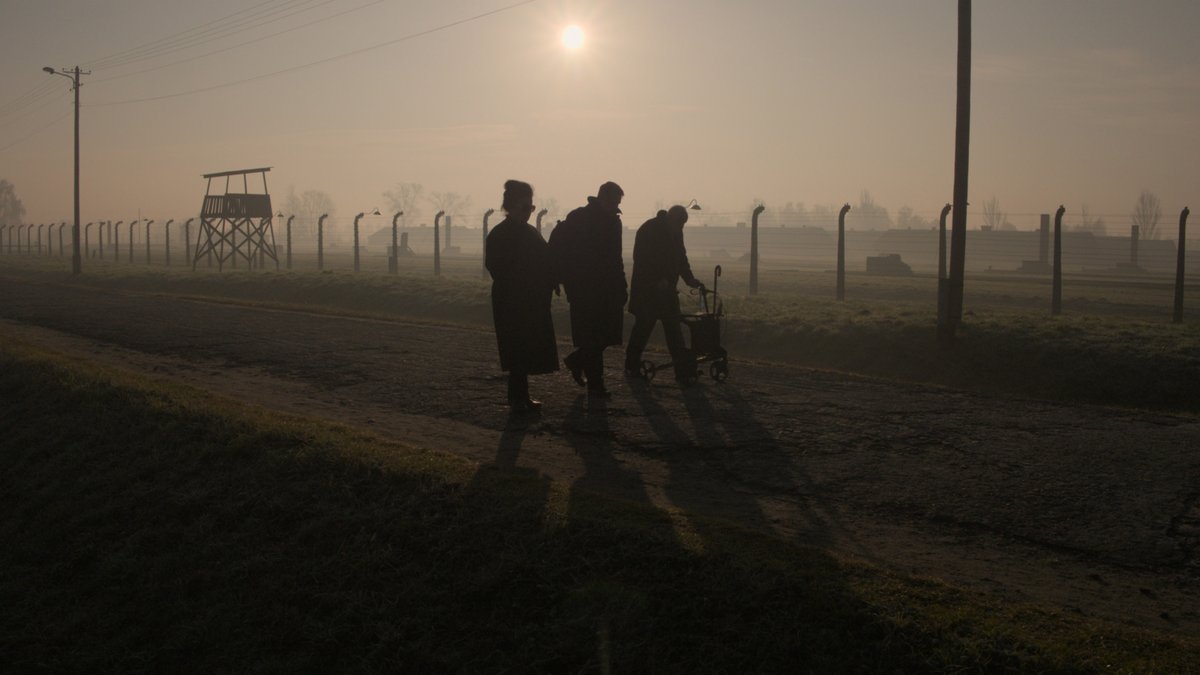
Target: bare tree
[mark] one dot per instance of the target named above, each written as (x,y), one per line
(869,215)
(12,211)
(308,206)
(553,210)
(1146,214)
(906,218)
(1089,224)
(993,217)
(405,197)
(452,203)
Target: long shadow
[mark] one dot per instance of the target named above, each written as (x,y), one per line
(588,433)
(764,465)
(731,464)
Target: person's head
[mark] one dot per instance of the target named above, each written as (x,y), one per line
(609,196)
(518,198)
(677,215)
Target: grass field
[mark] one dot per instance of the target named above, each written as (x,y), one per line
(1113,345)
(154,528)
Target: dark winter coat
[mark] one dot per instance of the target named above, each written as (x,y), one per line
(587,250)
(522,280)
(659,260)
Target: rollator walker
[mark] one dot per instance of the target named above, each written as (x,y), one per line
(704,329)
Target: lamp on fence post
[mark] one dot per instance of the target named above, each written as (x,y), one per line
(1056,275)
(321,241)
(167,242)
(841,253)
(394,258)
(437,243)
(86,245)
(40,227)
(1178,318)
(148,224)
(754,248)
(541,214)
(374,212)
(483,274)
(61,250)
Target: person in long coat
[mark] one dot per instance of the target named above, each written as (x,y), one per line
(659,261)
(523,280)
(587,250)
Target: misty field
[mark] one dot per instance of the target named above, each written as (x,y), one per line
(1113,344)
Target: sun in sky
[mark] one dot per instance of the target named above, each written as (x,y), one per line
(572,37)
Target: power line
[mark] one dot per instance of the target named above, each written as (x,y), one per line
(411,36)
(37,131)
(43,89)
(16,118)
(115,58)
(242,44)
(203,39)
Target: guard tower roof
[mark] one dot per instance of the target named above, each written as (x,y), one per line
(238,172)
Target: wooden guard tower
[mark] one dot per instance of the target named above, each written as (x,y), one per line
(236,225)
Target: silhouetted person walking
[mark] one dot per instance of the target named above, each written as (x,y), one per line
(587,249)
(659,260)
(522,280)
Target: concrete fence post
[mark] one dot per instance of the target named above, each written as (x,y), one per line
(841,253)
(1056,289)
(148,224)
(321,241)
(754,248)
(483,273)
(394,258)
(1179,267)
(437,244)
(167,241)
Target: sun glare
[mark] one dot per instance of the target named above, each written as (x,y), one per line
(572,37)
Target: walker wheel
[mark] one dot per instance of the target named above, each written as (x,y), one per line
(719,370)
(648,370)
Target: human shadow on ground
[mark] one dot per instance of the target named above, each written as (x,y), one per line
(732,465)
(589,434)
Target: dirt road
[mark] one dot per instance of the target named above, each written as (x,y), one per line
(1086,509)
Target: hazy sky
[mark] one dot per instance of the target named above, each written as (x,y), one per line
(1075,102)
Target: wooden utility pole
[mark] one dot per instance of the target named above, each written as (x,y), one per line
(962,156)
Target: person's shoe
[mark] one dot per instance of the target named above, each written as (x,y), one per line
(572,364)
(598,391)
(525,405)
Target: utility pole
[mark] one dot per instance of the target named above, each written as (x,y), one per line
(73,75)
(962,145)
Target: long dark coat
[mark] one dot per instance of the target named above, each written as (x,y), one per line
(522,280)
(587,250)
(659,260)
